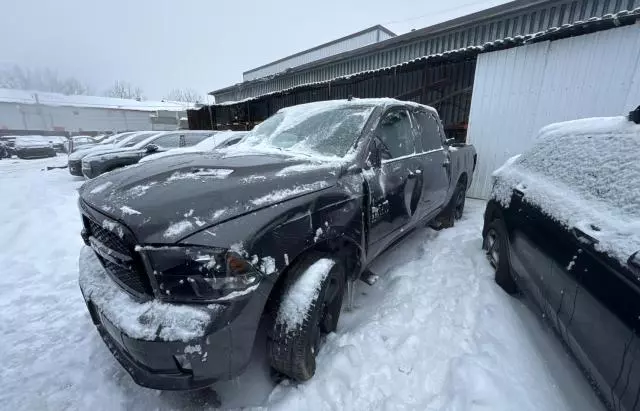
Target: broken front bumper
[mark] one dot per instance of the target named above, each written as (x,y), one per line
(147,340)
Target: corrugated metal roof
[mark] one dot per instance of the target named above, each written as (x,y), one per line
(567,30)
(353,41)
(522,17)
(56,99)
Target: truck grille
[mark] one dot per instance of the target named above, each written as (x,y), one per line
(130,276)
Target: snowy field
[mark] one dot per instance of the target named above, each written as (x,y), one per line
(435,332)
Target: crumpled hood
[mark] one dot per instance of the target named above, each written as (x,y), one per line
(83,151)
(168,199)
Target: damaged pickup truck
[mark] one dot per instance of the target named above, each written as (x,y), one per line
(188,254)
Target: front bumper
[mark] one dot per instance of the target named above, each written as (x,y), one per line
(75,167)
(221,352)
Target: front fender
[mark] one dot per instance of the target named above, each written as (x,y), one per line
(273,237)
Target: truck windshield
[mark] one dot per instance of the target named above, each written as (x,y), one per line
(326,129)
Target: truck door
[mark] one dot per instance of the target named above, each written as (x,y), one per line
(435,163)
(394,191)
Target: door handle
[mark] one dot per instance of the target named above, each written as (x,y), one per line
(583,237)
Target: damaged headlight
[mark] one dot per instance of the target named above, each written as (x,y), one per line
(200,273)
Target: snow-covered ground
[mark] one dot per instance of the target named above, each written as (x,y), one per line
(434,333)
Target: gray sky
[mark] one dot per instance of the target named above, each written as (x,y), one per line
(201,44)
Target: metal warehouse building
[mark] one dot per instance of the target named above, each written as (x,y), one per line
(36,112)
(495,76)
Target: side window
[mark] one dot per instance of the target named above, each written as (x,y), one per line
(168,141)
(191,139)
(429,129)
(395,135)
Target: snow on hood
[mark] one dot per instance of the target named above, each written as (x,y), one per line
(84,151)
(583,173)
(146,321)
(171,198)
(24,142)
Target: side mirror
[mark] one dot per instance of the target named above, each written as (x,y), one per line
(450,141)
(151,148)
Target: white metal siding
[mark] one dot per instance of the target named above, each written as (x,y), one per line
(518,91)
(346,45)
(40,117)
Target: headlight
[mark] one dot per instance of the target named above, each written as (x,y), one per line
(201,273)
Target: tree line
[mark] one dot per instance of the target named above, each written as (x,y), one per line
(47,80)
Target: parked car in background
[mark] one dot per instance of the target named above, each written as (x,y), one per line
(58,142)
(217,140)
(33,147)
(74,160)
(563,227)
(76,142)
(277,225)
(9,144)
(97,163)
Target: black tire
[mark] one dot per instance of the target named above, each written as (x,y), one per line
(293,352)
(458,200)
(495,244)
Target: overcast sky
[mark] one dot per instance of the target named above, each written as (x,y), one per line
(201,44)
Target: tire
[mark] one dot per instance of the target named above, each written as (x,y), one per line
(458,200)
(293,352)
(495,243)
(453,211)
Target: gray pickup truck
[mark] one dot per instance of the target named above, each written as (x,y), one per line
(278,227)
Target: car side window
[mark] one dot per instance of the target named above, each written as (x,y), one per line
(191,139)
(168,141)
(395,135)
(429,129)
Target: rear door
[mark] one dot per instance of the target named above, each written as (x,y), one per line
(435,161)
(394,190)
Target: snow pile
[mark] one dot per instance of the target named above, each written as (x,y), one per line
(146,321)
(175,230)
(295,303)
(279,195)
(584,174)
(200,173)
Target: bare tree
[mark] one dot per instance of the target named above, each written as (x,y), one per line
(122,89)
(46,80)
(187,95)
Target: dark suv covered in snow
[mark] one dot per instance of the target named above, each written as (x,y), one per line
(563,226)
(188,252)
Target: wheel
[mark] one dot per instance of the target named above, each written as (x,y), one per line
(495,244)
(293,346)
(459,198)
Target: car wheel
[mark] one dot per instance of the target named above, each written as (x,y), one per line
(459,198)
(293,349)
(495,245)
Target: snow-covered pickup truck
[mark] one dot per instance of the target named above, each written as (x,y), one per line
(188,253)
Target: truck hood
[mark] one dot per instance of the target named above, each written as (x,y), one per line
(166,200)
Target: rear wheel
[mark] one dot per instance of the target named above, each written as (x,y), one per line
(459,199)
(293,347)
(495,245)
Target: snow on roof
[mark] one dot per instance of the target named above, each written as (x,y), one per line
(56,99)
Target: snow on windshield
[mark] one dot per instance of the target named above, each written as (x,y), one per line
(326,128)
(583,173)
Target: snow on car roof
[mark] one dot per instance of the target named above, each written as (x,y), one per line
(584,174)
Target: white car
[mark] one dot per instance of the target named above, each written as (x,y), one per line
(217,140)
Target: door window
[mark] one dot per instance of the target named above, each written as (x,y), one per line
(191,139)
(168,141)
(395,135)
(429,130)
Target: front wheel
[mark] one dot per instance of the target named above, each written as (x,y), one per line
(495,244)
(309,307)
